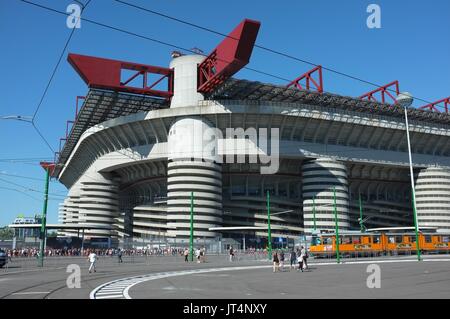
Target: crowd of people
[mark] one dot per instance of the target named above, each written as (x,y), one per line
(298,259)
(34,252)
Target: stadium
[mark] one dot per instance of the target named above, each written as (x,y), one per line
(138,156)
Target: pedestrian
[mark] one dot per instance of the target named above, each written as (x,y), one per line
(119,254)
(305,257)
(301,258)
(198,255)
(203,254)
(92,258)
(281,260)
(186,255)
(231,253)
(293,258)
(276,261)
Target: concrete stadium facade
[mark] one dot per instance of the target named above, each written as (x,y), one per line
(135,173)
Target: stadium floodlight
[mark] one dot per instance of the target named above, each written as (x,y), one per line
(405,100)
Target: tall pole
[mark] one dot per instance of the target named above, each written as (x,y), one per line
(314,211)
(191,240)
(338,257)
(44,219)
(360,214)
(413,193)
(269,234)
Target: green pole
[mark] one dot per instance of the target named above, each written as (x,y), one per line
(338,257)
(191,240)
(269,233)
(44,219)
(314,211)
(361,215)
(416,226)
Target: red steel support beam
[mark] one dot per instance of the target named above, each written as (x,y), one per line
(67,128)
(432,106)
(384,91)
(106,74)
(56,157)
(308,77)
(77,107)
(231,55)
(48,166)
(60,140)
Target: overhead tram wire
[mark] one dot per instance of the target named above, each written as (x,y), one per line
(283,54)
(195,52)
(30,189)
(169,44)
(147,38)
(33,122)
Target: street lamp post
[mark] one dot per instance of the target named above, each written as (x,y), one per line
(47,167)
(191,239)
(338,257)
(361,226)
(314,212)
(405,99)
(269,234)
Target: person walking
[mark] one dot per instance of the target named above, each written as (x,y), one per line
(305,257)
(203,254)
(92,258)
(198,255)
(293,259)
(231,253)
(301,258)
(281,260)
(186,255)
(119,254)
(276,261)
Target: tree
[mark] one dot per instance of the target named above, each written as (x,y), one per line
(53,233)
(6,233)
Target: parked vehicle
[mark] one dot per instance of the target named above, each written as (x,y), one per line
(3,258)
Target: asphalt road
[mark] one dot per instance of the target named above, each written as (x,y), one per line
(171,278)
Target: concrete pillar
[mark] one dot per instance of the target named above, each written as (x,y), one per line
(319,178)
(193,167)
(98,204)
(433,198)
(185,81)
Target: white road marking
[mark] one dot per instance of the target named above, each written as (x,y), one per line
(111,289)
(31,292)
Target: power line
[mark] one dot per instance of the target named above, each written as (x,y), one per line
(33,122)
(28,188)
(20,176)
(283,54)
(171,45)
(55,69)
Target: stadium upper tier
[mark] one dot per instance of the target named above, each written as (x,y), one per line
(103,105)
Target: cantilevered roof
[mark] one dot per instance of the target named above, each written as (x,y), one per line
(235,89)
(100,106)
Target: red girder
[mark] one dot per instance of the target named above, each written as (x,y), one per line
(383,90)
(56,157)
(60,140)
(103,73)
(48,166)
(432,106)
(309,79)
(231,55)
(77,108)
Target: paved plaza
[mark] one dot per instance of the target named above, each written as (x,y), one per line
(172,278)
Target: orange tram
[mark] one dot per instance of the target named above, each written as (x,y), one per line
(381,241)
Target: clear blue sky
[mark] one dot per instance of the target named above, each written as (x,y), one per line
(412,46)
